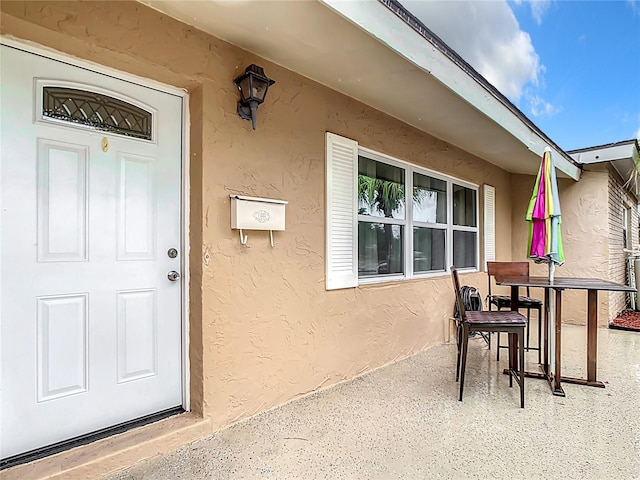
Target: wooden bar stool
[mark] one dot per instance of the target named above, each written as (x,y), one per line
(510,322)
(514,269)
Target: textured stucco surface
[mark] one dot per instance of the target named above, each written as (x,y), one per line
(585,235)
(263,330)
(592,235)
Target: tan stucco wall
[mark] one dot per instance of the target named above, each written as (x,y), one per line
(585,235)
(263,330)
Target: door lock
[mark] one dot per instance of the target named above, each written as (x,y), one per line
(172,253)
(173,275)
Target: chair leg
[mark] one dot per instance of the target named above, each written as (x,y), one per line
(540,335)
(498,345)
(463,365)
(489,333)
(511,358)
(459,344)
(521,369)
(528,318)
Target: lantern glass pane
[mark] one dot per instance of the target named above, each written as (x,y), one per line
(245,88)
(259,89)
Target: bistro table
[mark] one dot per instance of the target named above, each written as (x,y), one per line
(559,284)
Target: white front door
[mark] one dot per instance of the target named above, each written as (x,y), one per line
(91,328)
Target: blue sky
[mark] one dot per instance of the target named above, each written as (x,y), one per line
(573,67)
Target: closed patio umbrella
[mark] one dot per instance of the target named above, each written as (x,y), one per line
(544,217)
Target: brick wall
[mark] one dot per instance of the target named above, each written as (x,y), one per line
(619,198)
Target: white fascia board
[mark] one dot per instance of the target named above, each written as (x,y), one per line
(377,20)
(604,154)
(619,156)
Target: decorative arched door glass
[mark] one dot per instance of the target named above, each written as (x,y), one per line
(97,111)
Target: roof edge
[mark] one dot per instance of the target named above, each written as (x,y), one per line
(600,147)
(412,21)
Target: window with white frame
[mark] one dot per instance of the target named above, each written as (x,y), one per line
(389,219)
(626,220)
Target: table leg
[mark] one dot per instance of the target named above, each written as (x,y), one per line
(592,334)
(557,377)
(592,343)
(515,294)
(545,358)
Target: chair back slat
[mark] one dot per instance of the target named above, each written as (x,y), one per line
(456,289)
(508,269)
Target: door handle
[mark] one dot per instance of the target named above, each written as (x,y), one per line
(173,275)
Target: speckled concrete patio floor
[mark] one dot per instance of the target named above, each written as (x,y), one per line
(404,421)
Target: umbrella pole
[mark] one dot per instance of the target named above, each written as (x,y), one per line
(552,321)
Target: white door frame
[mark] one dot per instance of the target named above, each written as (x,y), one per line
(43,51)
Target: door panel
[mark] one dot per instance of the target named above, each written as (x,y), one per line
(136,207)
(62,348)
(62,201)
(90,324)
(137,334)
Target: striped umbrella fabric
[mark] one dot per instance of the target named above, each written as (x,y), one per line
(544,216)
(545,238)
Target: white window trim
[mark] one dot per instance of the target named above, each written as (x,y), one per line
(409,169)
(626,226)
(463,228)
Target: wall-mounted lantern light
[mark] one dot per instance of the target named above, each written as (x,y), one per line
(253,85)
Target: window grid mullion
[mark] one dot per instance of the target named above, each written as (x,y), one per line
(387,220)
(462,228)
(449,238)
(438,226)
(408,258)
(478,229)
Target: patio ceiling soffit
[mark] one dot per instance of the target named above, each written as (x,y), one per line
(367,52)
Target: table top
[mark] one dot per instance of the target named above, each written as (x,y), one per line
(564,283)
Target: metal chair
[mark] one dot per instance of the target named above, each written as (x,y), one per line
(510,322)
(514,269)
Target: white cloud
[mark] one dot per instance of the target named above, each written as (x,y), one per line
(487,35)
(538,9)
(538,107)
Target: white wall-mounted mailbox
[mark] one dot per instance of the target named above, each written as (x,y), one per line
(255,213)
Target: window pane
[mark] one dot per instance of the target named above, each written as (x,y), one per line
(380,189)
(464,249)
(429,199)
(380,249)
(464,206)
(428,249)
